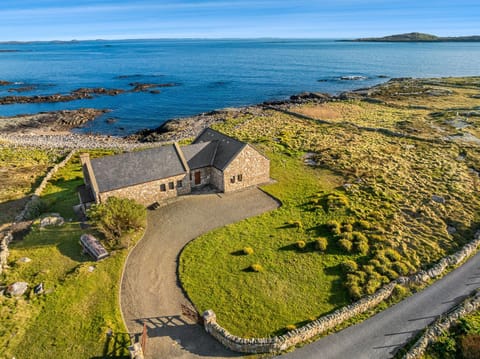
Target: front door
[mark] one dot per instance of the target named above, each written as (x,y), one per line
(198,178)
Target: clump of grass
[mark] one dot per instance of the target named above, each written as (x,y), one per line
(345,244)
(247,250)
(350,266)
(347,227)
(301,244)
(295,224)
(335,227)
(321,244)
(290,327)
(256,267)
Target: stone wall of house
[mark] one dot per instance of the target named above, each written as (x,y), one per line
(205,177)
(252,167)
(442,324)
(150,192)
(279,343)
(216,178)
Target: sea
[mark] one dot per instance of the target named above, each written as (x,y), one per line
(210,74)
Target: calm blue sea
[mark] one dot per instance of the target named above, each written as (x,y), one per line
(213,74)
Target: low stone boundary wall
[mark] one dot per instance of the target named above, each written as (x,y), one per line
(441,325)
(7,235)
(279,343)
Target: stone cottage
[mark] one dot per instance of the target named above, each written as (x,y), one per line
(155,174)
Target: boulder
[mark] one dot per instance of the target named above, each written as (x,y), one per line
(438,199)
(53,219)
(17,288)
(24,260)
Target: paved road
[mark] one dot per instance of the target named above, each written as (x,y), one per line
(383,334)
(150,291)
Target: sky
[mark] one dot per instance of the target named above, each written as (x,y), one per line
(26,20)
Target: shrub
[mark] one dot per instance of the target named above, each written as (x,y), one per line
(321,244)
(347,236)
(334,227)
(470,346)
(296,224)
(362,248)
(355,291)
(336,201)
(256,267)
(359,237)
(290,327)
(399,292)
(247,250)
(391,274)
(349,266)
(400,268)
(301,244)
(372,285)
(377,238)
(116,217)
(364,224)
(35,208)
(345,244)
(347,227)
(376,263)
(392,254)
(445,346)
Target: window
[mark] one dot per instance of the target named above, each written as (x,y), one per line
(163,188)
(179,184)
(232,179)
(171,185)
(240,178)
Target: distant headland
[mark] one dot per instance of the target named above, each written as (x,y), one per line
(418,37)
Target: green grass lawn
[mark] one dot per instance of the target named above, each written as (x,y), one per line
(294,286)
(79,306)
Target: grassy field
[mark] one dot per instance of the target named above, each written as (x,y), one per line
(383,183)
(21,168)
(80,303)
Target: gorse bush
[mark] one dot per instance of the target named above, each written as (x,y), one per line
(290,327)
(255,267)
(117,217)
(247,250)
(301,244)
(321,244)
(349,266)
(345,244)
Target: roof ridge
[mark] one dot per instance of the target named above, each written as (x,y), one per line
(181,156)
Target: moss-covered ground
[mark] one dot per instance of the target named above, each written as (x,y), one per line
(386,177)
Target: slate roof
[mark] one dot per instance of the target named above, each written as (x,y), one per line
(132,168)
(227,148)
(200,154)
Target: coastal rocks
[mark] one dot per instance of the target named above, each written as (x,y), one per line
(5,83)
(310,96)
(79,94)
(353,78)
(17,289)
(49,121)
(111,120)
(150,87)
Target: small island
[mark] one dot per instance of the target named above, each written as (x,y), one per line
(418,37)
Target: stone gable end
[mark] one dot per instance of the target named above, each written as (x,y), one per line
(248,168)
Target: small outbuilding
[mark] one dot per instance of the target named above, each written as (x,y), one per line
(155,174)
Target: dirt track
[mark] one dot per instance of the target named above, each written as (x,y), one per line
(150,291)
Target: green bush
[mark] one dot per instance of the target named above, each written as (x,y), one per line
(35,208)
(301,244)
(372,285)
(445,346)
(296,224)
(116,217)
(392,254)
(345,244)
(364,224)
(359,237)
(321,243)
(347,227)
(247,250)
(400,268)
(256,267)
(334,227)
(355,291)
(362,248)
(290,327)
(349,266)
(399,292)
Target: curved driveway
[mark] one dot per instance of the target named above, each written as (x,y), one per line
(150,292)
(383,334)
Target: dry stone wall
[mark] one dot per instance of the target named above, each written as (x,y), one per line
(443,324)
(279,343)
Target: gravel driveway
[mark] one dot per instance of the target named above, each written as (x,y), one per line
(150,291)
